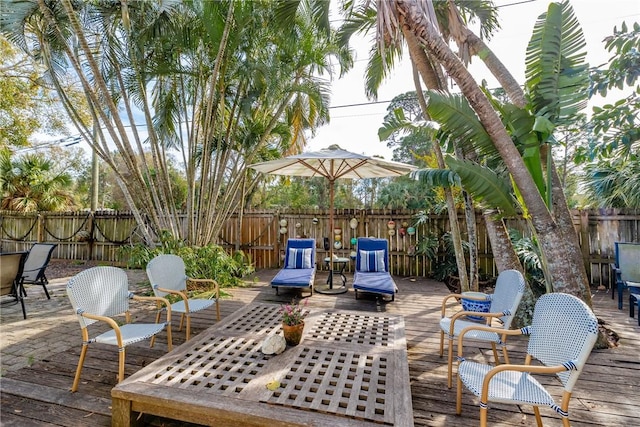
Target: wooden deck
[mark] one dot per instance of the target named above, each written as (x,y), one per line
(606,394)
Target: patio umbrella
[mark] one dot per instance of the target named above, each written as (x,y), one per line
(333,163)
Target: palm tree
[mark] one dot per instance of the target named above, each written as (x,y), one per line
(561,250)
(30,184)
(218,96)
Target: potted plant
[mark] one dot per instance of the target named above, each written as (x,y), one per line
(293,321)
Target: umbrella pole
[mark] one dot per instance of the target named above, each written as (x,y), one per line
(329,289)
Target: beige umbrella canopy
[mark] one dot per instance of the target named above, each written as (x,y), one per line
(333,163)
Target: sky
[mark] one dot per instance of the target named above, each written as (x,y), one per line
(355,128)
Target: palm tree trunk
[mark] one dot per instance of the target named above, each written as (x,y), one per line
(541,218)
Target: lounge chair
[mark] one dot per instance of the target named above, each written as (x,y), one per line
(167,274)
(561,337)
(36,264)
(299,269)
(99,294)
(504,304)
(372,268)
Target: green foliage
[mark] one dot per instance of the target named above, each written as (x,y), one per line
(484,184)
(207,262)
(529,254)
(32,183)
(26,104)
(438,248)
(557,76)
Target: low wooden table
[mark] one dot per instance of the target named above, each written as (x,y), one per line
(350,369)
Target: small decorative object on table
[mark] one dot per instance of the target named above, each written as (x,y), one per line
(293,321)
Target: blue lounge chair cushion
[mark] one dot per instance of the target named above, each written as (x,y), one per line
(294,277)
(299,258)
(372,261)
(376,282)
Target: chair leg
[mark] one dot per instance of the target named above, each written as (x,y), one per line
(495,353)
(631,305)
(536,411)
(153,338)
(188,331)
(76,380)
(181,322)
(44,283)
(441,343)
(483,415)
(620,288)
(121,357)
(450,364)
(505,354)
(458,396)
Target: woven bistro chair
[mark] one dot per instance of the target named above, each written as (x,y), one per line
(99,294)
(561,336)
(168,276)
(505,300)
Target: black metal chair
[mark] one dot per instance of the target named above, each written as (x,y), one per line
(36,264)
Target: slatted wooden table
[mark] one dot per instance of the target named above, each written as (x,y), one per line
(350,370)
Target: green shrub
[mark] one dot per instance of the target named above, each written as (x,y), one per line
(207,262)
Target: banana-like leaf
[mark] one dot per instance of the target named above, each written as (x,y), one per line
(484,184)
(557,76)
(436,177)
(457,118)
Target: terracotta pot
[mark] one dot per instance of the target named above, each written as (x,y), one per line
(293,333)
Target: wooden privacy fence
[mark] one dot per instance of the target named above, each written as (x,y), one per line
(262,235)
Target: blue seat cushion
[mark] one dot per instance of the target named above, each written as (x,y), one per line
(377,282)
(294,277)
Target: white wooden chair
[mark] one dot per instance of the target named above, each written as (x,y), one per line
(561,336)
(99,294)
(168,276)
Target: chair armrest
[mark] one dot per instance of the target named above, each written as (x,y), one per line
(519,368)
(460,314)
(111,322)
(499,331)
(459,296)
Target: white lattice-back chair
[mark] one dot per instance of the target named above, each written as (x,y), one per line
(505,300)
(99,294)
(561,336)
(167,275)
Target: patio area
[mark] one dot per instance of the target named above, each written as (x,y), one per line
(39,357)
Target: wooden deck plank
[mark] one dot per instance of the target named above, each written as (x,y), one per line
(606,393)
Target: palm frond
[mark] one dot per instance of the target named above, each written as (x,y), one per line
(436,177)
(458,119)
(484,184)
(557,76)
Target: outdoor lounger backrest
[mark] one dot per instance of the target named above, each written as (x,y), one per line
(295,258)
(628,261)
(366,256)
